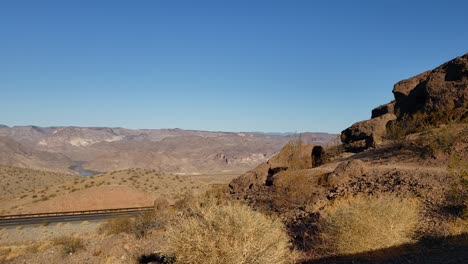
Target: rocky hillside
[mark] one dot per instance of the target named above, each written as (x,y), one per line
(165,150)
(431,98)
(414,146)
(12,153)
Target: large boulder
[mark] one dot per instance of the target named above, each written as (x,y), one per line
(345,171)
(366,134)
(442,89)
(439,93)
(263,174)
(383,109)
(251,179)
(317,156)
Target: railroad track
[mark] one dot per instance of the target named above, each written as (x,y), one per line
(57,217)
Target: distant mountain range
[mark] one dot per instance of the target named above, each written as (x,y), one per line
(100,149)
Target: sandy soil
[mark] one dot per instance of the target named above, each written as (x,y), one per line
(119,189)
(44,232)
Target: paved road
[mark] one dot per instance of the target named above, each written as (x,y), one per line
(37,220)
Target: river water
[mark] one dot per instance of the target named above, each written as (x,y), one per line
(78,167)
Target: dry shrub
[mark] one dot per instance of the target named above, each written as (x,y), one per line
(440,140)
(297,157)
(408,124)
(454,227)
(4,252)
(218,193)
(227,232)
(161,204)
(140,225)
(69,245)
(121,224)
(365,223)
(294,189)
(144,223)
(187,204)
(458,194)
(422,121)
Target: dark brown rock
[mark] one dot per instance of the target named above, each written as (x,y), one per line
(318,156)
(250,179)
(437,93)
(347,170)
(442,89)
(263,174)
(368,133)
(383,109)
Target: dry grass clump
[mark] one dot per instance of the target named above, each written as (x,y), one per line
(455,227)
(439,140)
(227,232)
(297,158)
(140,225)
(70,245)
(116,225)
(422,121)
(295,189)
(458,194)
(365,223)
(144,223)
(408,124)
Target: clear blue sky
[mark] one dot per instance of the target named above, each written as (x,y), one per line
(216,65)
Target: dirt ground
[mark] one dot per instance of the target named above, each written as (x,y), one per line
(119,189)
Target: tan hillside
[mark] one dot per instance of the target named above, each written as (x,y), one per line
(18,181)
(118,189)
(77,149)
(13,153)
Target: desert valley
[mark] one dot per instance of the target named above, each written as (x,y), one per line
(39,165)
(393,190)
(233,132)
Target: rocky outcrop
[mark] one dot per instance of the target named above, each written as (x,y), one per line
(250,179)
(318,156)
(263,174)
(345,171)
(383,109)
(366,134)
(439,92)
(442,89)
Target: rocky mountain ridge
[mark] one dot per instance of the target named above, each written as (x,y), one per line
(167,150)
